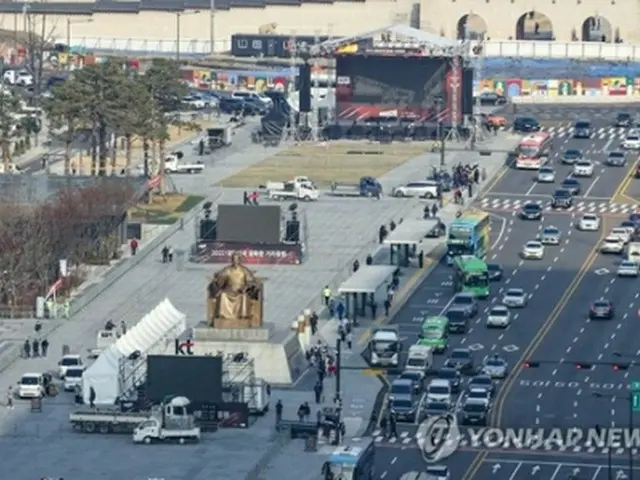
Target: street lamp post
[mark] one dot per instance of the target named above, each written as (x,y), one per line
(69,23)
(629,399)
(179,16)
(212,26)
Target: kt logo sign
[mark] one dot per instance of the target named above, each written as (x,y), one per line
(184,347)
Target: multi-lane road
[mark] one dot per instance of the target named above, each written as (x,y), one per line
(553,328)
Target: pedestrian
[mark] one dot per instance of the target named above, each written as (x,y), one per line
(369,260)
(382,233)
(313,322)
(434,210)
(279,408)
(123,327)
(45,347)
(92,397)
(201,147)
(301,413)
(170,254)
(356,265)
(27,348)
(476,175)
(66,308)
(340,310)
(326,295)
(470,190)
(387,307)
(307,411)
(35,347)
(317,390)
(319,418)
(390,293)
(133,244)
(332,308)
(10,398)
(38,326)
(392,225)
(165,254)
(349,340)
(374,310)
(426,212)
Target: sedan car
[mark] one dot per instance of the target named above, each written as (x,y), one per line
(572,185)
(616,159)
(461,359)
(435,409)
(531,211)
(490,98)
(612,245)
(482,381)
(495,272)
(467,302)
(562,198)
(515,298)
(496,367)
(546,175)
(526,125)
(498,317)
(533,250)
(601,309)
(582,129)
(570,157)
(589,222)
(622,233)
(623,120)
(416,378)
(454,377)
(629,226)
(583,168)
(628,268)
(550,236)
(631,141)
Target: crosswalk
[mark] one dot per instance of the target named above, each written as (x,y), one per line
(408,439)
(511,205)
(602,133)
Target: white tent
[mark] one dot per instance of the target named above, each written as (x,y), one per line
(114,373)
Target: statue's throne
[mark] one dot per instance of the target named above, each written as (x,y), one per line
(256,303)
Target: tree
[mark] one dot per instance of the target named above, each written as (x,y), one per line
(67,109)
(163,82)
(9,106)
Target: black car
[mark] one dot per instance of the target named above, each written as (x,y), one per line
(526,125)
(582,129)
(416,378)
(571,157)
(482,381)
(616,159)
(462,360)
(458,320)
(231,106)
(562,198)
(531,211)
(572,185)
(495,272)
(254,106)
(405,407)
(436,408)
(454,377)
(601,309)
(623,120)
(490,98)
(474,412)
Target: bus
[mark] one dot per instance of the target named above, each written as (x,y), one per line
(471,275)
(468,235)
(351,462)
(434,333)
(533,151)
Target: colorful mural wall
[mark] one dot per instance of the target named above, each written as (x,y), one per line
(514,87)
(258,81)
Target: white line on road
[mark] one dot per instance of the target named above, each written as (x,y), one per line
(595,475)
(515,471)
(586,194)
(555,473)
(531,189)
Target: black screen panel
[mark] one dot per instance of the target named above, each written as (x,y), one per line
(467,91)
(245,223)
(198,378)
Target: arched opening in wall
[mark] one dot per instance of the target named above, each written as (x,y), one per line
(472,27)
(597,29)
(534,26)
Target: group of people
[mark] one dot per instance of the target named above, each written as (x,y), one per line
(167,254)
(34,348)
(465,176)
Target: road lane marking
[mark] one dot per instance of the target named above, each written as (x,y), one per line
(586,194)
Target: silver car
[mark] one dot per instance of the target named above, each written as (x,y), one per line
(496,367)
(514,298)
(550,236)
(546,175)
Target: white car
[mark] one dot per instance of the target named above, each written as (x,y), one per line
(589,223)
(628,268)
(546,175)
(612,245)
(480,394)
(68,361)
(551,236)
(499,317)
(194,103)
(583,168)
(514,298)
(439,391)
(423,189)
(632,141)
(31,385)
(243,95)
(622,233)
(73,378)
(533,250)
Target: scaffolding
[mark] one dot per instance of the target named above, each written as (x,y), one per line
(239,382)
(289,130)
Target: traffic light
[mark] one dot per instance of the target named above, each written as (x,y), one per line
(584,366)
(531,364)
(621,366)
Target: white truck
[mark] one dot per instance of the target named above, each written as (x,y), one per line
(104,339)
(174,425)
(219,136)
(115,421)
(173,164)
(419,359)
(305,192)
(633,252)
(384,347)
(297,181)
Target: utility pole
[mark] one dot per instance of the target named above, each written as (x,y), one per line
(337,400)
(212,27)
(178,15)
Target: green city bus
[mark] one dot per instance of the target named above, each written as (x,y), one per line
(471,275)
(434,333)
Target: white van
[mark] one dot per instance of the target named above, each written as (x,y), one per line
(439,391)
(419,358)
(31,385)
(66,362)
(73,378)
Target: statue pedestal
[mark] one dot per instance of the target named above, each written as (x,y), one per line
(253,322)
(221,334)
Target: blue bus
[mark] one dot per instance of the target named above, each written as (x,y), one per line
(468,235)
(351,462)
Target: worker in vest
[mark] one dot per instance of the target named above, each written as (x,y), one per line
(67,308)
(326,295)
(51,308)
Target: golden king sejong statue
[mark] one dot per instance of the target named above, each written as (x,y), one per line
(235,297)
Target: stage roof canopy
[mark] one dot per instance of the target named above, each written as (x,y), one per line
(397,35)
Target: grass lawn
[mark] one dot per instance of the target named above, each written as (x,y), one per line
(164,210)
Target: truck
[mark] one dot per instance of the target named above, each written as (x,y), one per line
(297,181)
(104,339)
(292,191)
(175,424)
(113,420)
(173,164)
(419,359)
(366,187)
(218,137)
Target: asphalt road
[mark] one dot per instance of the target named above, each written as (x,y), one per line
(553,328)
